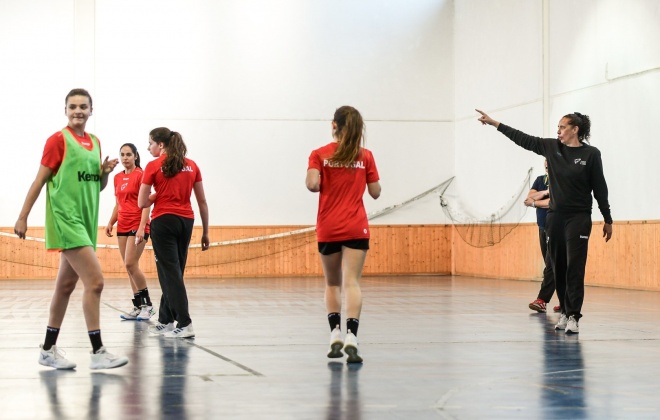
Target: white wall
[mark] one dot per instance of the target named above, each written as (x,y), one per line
(602,60)
(252,86)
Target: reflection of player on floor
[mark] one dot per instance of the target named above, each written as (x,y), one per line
(340,171)
(72,169)
(539,198)
(132,230)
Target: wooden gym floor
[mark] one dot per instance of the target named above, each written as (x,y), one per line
(435,347)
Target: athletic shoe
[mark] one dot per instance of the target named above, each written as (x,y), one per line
(572,326)
(561,325)
(146,312)
(557,308)
(351,348)
(160,329)
(185,332)
(104,360)
(538,305)
(55,358)
(132,315)
(336,344)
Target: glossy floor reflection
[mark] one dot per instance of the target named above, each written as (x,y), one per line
(434,347)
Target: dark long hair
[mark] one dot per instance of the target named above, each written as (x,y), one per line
(349,133)
(176,150)
(583,123)
(135,152)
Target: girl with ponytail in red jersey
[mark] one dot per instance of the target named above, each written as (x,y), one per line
(340,172)
(174,177)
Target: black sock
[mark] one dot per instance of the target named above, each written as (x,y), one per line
(144,297)
(136,301)
(95,338)
(334,318)
(51,337)
(352,325)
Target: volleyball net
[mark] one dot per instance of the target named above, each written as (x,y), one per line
(275,247)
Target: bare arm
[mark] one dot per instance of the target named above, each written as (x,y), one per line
(113,220)
(144,197)
(203,213)
(313,180)
(539,199)
(107,167)
(374,189)
(42,177)
(139,235)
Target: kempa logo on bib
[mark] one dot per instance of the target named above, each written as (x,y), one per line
(84,176)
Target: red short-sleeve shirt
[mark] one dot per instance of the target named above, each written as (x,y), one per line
(172,194)
(341,214)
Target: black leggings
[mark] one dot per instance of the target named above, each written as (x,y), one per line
(568,243)
(170,237)
(548,284)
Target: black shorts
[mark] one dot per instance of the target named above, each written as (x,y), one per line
(328,248)
(132,233)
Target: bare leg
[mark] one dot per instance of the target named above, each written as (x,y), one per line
(64,286)
(332,270)
(84,262)
(121,242)
(353,262)
(132,254)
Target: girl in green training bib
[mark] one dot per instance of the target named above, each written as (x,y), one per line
(71,168)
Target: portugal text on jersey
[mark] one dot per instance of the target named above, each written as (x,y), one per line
(331,163)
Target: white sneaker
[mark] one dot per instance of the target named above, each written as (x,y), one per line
(351,348)
(55,358)
(185,332)
(160,329)
(132,315)
(104,360)
(561,325)
(572,326)
(336,344)
(146,312)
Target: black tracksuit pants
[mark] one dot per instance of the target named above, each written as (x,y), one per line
(568,243)
(170,237)
(548,284)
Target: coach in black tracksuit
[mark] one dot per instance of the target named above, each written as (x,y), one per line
(575,170)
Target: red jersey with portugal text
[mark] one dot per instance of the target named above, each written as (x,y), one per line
(341,215)
(127,187)
(172,194)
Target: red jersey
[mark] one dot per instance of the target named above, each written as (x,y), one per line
(54,149)
(127,187)
(341,215)
(172,194)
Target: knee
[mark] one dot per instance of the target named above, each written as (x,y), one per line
(95,285)
(65,289)
(333,283)
(131,266)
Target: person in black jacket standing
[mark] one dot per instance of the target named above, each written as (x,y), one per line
(575,170)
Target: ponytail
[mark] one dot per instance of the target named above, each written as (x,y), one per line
(175,148)
(583,123)
(350,135)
